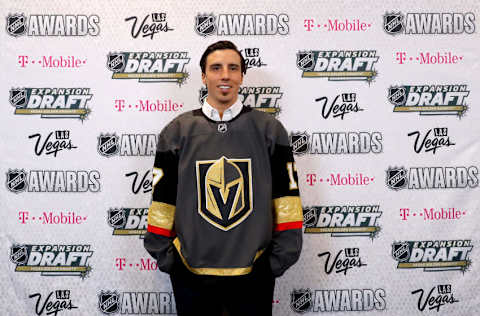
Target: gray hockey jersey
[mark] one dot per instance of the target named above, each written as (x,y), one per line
(224,193)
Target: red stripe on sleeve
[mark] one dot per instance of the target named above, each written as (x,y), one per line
(160,231)
(287,226)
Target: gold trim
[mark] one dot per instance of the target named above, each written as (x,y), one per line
(52,111)
(129,231)
(287,209)
(435,108)
(319,230)
(215,271)
(161,215)
(406,265)
(50,269)
(338,74)
(174,75)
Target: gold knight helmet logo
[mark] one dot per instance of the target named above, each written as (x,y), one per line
(224,188)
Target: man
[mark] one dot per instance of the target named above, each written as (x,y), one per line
(226,217)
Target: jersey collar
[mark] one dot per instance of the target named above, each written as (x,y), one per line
(228,115)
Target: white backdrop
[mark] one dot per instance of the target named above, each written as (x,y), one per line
(94,191)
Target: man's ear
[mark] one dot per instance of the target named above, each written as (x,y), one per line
(203,78)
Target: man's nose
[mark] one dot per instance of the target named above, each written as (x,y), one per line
(225,73)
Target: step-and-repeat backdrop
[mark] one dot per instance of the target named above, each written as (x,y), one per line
(379,97)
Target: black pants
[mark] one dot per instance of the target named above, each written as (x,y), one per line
(250,294)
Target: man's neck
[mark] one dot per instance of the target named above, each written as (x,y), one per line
(220,107)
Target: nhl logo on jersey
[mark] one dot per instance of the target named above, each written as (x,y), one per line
(393,23)
(108,144)
(16,180)
(397,95)
(205,24)
(16,24)
(116,218)
(18,255)
(301,300)
(400,251)
(222,128)
(108,302)
(310,217)
(18,97)
(299,143)
(396,178)
(115,62)
(225,194)
(305,61)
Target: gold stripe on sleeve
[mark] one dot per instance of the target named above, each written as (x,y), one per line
(161,215)
(287,209)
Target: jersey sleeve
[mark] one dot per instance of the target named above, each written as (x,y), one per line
(287,209)
(158,240)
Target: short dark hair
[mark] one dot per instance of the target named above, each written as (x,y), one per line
(218,46)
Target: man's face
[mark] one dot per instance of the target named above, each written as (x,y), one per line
(223,77)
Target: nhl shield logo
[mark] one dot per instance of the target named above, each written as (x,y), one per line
(116,218)
(299,143)
(116,62)
(301,300)
(18,97)
(19,255)
(310,217)
(202,95)
(397,95)
(393,23)
(205,24)
(225,193)
(401,251)
(16,180)
(397,178)
(108,302)
(16,24)
(305,61)
(108,145)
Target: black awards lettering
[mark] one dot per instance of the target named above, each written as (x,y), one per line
(337,300)
(151,24)
(346,143)
(437,297)
(445,23)
(53,304)
(138,303)
(49,145)
(432,140)
(345,260)
(109,145)
(52,25)
(242,24)
(342,104)
(421,178)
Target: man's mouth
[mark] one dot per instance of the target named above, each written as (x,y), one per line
(224,88)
